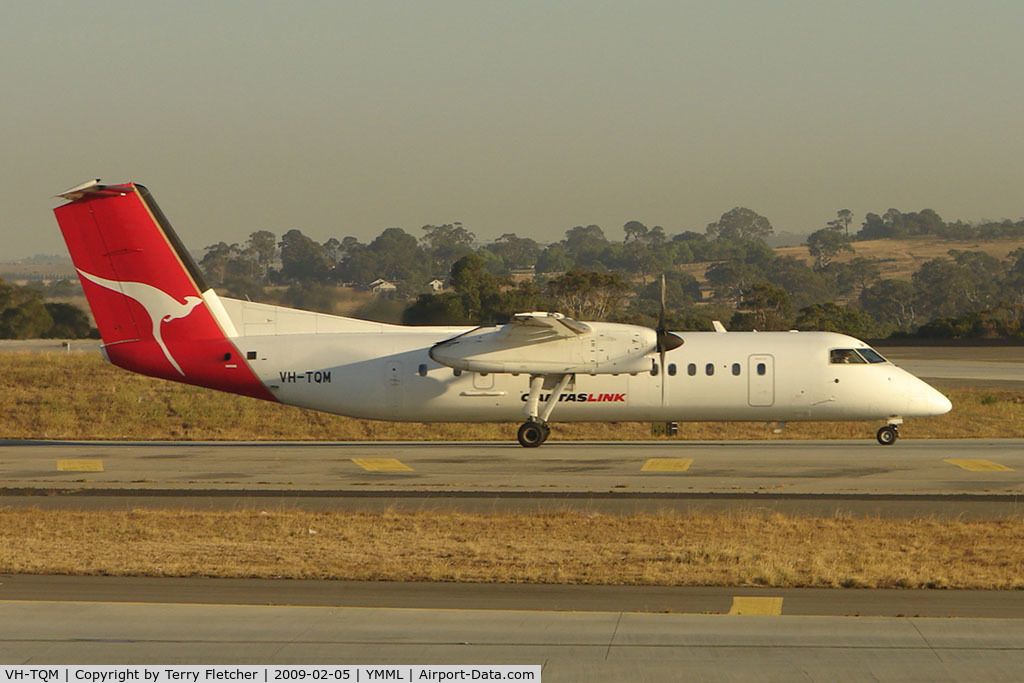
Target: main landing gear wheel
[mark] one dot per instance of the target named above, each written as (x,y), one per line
(533,434)
(887,435)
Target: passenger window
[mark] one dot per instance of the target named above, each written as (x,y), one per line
(423,369)
(691,369)
(845,357)
(709,369)
(736,369)
(654,369)
(672,369)
(762,369)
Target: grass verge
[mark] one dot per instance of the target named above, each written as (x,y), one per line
(77,396)
(741,549)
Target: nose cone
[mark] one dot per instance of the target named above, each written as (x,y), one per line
(928,402)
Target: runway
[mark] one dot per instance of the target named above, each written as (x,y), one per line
(973,478)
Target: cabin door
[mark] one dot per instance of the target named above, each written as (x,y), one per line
(761,380)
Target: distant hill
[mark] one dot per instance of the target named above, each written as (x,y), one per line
(40,259)
(899,259)
(23,273)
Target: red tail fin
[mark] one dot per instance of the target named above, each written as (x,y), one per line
(146,292)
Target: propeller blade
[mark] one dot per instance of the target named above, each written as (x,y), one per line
(666,341)
(664,375)
(661,312)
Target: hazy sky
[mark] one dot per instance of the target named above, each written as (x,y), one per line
(345,118)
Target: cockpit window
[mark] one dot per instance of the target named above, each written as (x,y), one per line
(845,356)
(872,356)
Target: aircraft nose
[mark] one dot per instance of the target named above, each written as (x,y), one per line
(941,404)
(929,402)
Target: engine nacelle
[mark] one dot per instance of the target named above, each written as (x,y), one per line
(604,348)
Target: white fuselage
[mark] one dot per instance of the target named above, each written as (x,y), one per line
(384,372)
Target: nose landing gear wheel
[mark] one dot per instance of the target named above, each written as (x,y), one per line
(533,434)
(887,435)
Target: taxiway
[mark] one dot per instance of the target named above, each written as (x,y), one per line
(973,478)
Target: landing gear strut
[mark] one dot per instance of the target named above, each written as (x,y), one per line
(535,430)
(888,434)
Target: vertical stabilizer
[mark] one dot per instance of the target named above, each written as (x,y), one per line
(151,305)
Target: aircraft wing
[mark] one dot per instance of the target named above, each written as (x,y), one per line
(541,343)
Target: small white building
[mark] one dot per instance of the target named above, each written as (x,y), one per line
(381,286)
(435,285)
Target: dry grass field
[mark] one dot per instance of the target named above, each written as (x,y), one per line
(78,396)
(897,259)
(742,549)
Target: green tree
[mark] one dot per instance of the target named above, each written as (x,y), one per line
(394,255)
(831,317)
(764,307)
(554,259)
(478,297)
(446,244)
(588,295)
(262,248)
(729,279)
(493,264)
(644,260)
(682,291)
(804,285)
(516,252)
(841,222)
(893,304)
(302,259)
(586,246)
(635,231)
(825,244)
(436,309)
(741,223)
(477,287)
(217,260)
(863,271)
(26,317)
(970,281)
(69,322)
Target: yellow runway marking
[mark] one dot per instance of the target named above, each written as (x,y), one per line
(381,465)
(79,465)
(979,465)
(667,465)
(765,607)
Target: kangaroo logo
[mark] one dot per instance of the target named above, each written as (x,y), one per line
(161,306)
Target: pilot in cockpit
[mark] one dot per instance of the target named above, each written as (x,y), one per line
(841,356)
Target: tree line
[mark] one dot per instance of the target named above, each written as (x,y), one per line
(24,314)
(588,275)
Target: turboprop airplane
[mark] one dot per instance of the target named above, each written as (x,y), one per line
(157,317)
